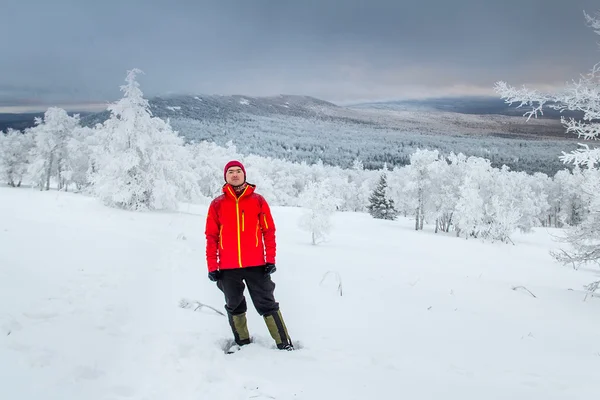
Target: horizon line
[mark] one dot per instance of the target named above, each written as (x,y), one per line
(32,108)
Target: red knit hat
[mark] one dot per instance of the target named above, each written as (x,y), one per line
(233,163)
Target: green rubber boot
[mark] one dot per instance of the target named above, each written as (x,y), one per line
(239,327)
(278,330)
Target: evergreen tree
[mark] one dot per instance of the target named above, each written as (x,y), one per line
(141,163)
(380,206)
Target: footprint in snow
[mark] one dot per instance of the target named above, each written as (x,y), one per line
(123,391)
(88,373)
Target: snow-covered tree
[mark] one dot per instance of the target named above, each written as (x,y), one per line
(141,163)
(356,195)
(14,156)
(504,206)
(449,183)
(442,196)
(514,197)
(469,211)
(380,205)
(583,96)
(400,190)
(423,164)
(566,198)
(49,156)
(541,184)
(319,202)
(80,146)
(584,238)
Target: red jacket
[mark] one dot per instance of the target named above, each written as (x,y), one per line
(240,231)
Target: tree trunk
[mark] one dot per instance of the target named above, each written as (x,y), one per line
(59,173)
(449,223)
(49,170)
(417,219)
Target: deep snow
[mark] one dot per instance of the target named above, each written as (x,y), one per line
(90,310)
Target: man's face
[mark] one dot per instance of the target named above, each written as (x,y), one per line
(235,176)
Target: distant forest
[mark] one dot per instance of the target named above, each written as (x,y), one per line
(304,129)
(335,143)
(18,121)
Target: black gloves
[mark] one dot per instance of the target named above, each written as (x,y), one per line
(270,268)
(214,275)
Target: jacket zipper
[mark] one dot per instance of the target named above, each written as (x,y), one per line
(237,220)
(242,220)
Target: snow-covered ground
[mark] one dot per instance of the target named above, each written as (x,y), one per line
(90,310)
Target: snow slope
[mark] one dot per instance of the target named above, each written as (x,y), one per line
(90,310)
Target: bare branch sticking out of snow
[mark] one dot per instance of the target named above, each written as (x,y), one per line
(591,289)
(195,305)
(338,279)
(415,282)
(262,395)
(524,288)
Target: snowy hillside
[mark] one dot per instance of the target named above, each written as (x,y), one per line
(300,128)
(91,310)
(217,107)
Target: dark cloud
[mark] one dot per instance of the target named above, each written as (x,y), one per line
(67,50)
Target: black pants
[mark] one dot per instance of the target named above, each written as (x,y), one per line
(260,286)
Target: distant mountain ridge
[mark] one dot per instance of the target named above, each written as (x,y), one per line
(18,121)
(306,129)
(220,107)
(203,106)
(480,105)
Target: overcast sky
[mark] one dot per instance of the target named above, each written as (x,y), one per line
(66,51)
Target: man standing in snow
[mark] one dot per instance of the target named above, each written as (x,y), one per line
(240,247)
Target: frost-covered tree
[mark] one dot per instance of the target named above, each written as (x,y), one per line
(504,205)
(423,164)
(80,147)
(50,155)
(583,96)
(141,163)
(488,202)
(584,238)
(567,204)
(400,191)
(14,156)
(448,192)
(380,205)
(541,184)
(518,198)
(319,203)
(469,212)
(356,194)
